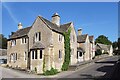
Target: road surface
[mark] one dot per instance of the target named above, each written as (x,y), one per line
(102,68)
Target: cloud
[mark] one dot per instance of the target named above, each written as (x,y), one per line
(10,12)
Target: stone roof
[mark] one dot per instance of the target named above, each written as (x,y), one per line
(62,28)
(3,52)
(80,49)
(81,38)
(54,27)
(103,46)
(38,45)
(91,38)
(20,32)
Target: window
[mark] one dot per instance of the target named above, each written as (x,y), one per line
(37,36)
(80,54)
(24,40)
(25,56)
(13,42)
(40,54)
(13,56)
(35,54)
(60,54)
(60,38)
(32,54)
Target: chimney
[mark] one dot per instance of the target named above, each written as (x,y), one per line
(20,25)
(80,31)
(56,19)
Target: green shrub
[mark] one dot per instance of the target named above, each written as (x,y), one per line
(98,52)
(52,71)
(35,69)
(67,50)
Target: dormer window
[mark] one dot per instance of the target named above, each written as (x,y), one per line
(37,36)
(13,42)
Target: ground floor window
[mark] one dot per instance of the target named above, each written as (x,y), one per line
(40,54)
(79,54)
(13,56)
(60,54)
(37,54)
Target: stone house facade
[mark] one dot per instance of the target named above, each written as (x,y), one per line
(42,42)
(105,48)
(85,48)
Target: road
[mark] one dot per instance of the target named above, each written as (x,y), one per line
(91,71)
(100,69)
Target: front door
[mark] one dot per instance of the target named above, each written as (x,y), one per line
(79,56)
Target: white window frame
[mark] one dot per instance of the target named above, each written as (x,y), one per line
(13,42)
(23,40)
(40,54)
(60,37)
(60,54)
(37,36)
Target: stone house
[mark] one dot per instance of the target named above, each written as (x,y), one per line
(105,48)
(42,42)
(85,50)
(92,47)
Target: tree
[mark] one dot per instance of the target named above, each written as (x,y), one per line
(103,40)
(115,45)
(3,42)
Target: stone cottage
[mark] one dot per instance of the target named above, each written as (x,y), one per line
(85,48)
(105,48)
(42,42)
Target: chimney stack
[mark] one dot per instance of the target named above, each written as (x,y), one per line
(20,25)
(80,31)
(56,19)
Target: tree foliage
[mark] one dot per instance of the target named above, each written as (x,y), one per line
(115,44)
(67,50)
(3,42)
(103,40)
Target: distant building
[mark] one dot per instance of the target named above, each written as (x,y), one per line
(105,48)
(86,46)
(3,56)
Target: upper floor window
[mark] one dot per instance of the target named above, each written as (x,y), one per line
(13,42)
(24,40)
(60,38)
(37,36)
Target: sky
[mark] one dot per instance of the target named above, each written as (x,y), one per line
(95,18)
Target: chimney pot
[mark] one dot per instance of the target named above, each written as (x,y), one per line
(20,25)
(56,19)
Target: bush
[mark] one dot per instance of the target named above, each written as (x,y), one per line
(52,71)
(98,52)
(35,69)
